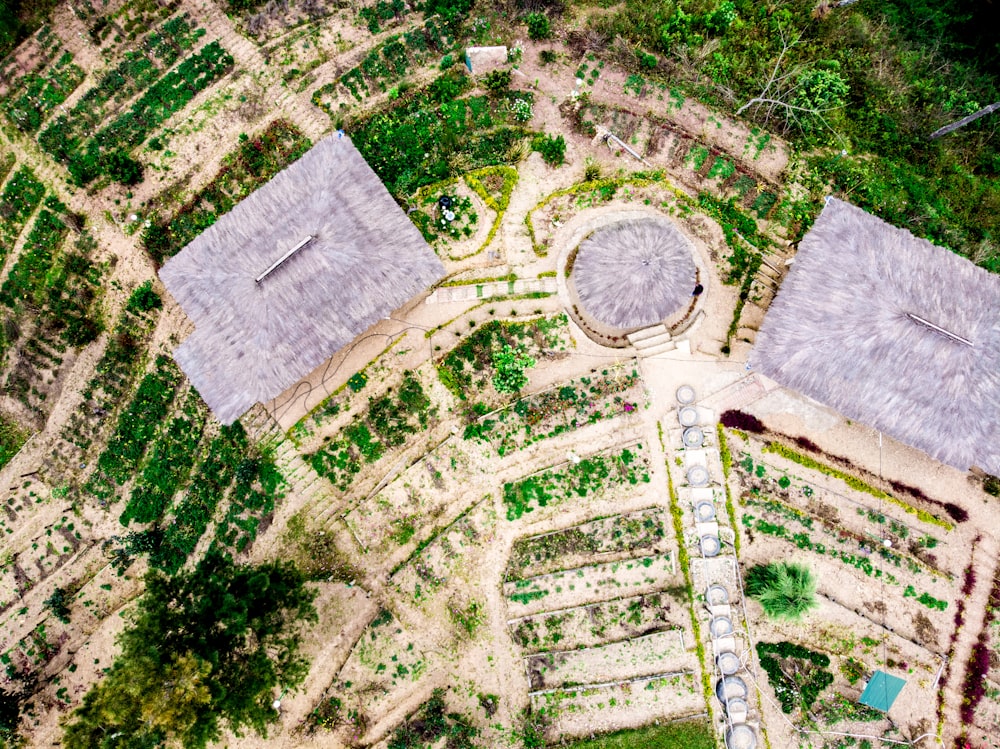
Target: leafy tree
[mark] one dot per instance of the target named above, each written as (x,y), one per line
(510,364)
(497,81)
(786,590)
(821,89)
(206,647)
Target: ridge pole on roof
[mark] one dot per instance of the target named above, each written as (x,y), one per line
(309,238)
(937,328)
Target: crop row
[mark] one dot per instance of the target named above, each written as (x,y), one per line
(589,476)
(211,479)
(40,93)
(137,425)
(252,164)
(168,95)
(385,64)
(21,196)
(386,424)
(171,458)
(259,486)
(26,281)
(136,72)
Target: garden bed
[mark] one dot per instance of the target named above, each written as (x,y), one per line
(640,531)
(645,655)
(560,410)
(572,714)
(594,475)
(593,624)
(576,587)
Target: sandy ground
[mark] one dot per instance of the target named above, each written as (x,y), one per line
(469,495)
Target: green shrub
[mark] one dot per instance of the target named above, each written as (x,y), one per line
(552,148)
(497,81)
(786,590)
(58,604)
(144,299)
(122,168)
(547,56)
(538,26)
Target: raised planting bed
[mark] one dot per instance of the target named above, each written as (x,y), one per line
(583,585)
(646,655)
(560,410)
(574,712)
(593,476)
(470,366)
(640,531)
(598,623)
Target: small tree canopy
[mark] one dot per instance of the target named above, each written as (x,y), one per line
(207,646)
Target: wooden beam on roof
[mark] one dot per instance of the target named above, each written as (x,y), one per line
(309,238)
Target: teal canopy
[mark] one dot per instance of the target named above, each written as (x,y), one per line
(882,691)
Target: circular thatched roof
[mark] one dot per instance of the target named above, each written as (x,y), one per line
(634,273)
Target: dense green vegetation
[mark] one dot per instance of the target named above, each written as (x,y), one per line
(206,648)
(797,674)
(12,437)
(784,589)
(435,134)
(430,724)
(873,78)
(686,734)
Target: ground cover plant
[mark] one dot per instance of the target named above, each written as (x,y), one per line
(253,163)
(591,475)
(796,674)
(387,423)
(929,72)
(430,723)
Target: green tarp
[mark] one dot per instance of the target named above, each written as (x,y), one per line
(882,691)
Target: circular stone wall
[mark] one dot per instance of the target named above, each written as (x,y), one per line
(634,273)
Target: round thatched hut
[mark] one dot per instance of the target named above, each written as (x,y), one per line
(635,273)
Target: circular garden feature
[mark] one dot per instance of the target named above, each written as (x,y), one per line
(635,273)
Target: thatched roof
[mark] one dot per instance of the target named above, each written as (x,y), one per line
(634,273)
(851,328)
(253,339)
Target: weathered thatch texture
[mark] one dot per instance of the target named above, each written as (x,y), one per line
(634,273)
(253,340)
(839,332)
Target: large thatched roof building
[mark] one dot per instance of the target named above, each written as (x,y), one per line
(893,332)
(635,273)
(293,273)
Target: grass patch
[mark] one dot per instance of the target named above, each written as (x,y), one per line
(12,438)
(685,734)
